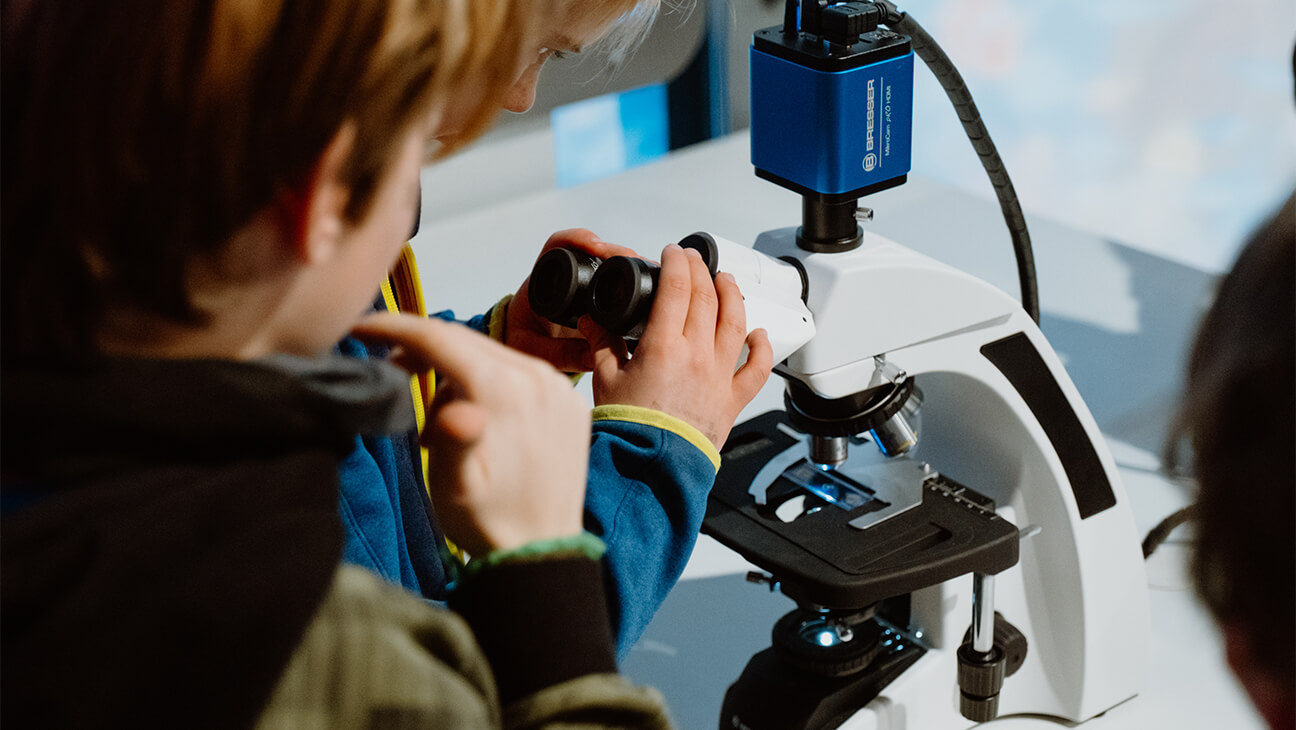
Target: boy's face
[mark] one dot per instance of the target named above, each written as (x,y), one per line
(573,29)
(343,285)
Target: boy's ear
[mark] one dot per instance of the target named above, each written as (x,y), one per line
(315,212)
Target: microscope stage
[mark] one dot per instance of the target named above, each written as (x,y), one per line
(820,558)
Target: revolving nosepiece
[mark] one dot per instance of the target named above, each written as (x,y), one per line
(890,413)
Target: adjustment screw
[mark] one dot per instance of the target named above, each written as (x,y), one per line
(863,215)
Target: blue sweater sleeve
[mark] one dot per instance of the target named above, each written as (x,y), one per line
(480,322)
(646,497)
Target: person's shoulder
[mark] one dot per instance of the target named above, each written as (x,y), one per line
(377,654)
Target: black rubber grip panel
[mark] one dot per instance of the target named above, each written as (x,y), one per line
(1022,365)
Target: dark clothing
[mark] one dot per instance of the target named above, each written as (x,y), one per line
(179,525)
(171,529)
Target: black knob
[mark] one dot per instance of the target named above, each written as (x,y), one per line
(980,677)
(1008,639)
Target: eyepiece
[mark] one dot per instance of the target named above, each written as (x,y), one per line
(560,285)
(704,244)
(622,295)
(617,293)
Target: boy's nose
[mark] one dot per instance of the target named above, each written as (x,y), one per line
(522,95)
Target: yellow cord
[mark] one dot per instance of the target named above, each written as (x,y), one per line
(403,292)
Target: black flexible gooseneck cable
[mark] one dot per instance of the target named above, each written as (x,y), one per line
(955,88)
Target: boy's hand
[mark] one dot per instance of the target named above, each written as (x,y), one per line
(526,331)
(508,436)
(684,363)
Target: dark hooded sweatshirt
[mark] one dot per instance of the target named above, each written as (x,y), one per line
(170,530)
(165,521)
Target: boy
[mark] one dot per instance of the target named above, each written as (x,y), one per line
(198,198)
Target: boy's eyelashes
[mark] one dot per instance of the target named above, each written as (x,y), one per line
(556,54)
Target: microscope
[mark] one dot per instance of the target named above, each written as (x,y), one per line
(935,496)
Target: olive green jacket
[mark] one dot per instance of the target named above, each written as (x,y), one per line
(376,656)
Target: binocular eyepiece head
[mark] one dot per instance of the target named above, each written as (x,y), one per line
(616,293)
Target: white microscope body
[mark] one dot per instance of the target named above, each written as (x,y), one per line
(999,414)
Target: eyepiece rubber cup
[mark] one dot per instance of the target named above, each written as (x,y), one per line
(622,295)
(559,289)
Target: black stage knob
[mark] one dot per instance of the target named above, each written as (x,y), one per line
(980,677)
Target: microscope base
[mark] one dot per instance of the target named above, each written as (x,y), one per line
(771,695)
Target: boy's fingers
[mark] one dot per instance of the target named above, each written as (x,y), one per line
(571,237)
(430,344)
(585,240)
(400,359)
(674,288)
(461,421)
(605,349)
(700,326)
(751,377)
(731,317)
(608,250)
(568,354)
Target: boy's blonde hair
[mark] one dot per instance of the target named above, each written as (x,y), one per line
(632,20)
(139,134)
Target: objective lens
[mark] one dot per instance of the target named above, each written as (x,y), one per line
(899,433)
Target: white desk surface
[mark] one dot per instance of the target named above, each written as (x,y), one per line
(1120,319)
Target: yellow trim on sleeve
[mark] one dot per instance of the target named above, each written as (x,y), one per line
(665,421)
